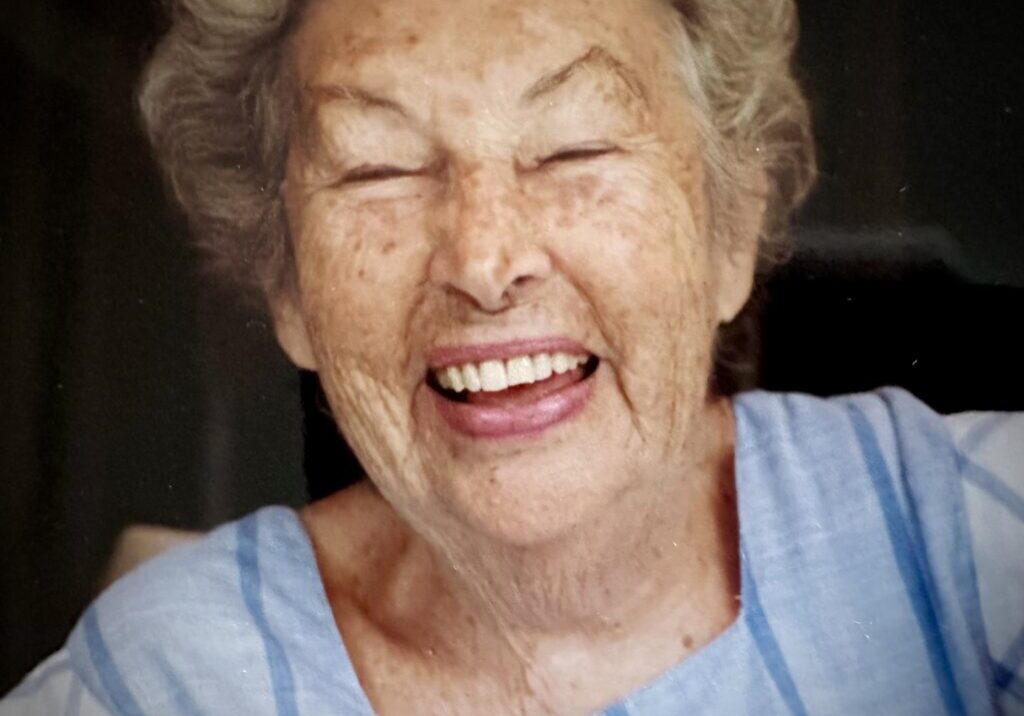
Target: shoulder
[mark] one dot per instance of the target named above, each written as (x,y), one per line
(890,434)
(939,496)
(218,612)
(875,475)
(206,579)
(885,447)
(52,688)
(887,436)
(886,412)
(905,455)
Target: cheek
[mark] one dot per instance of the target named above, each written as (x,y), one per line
(357,272)
(631,242)
(630,239)
(361,242)
(359,269)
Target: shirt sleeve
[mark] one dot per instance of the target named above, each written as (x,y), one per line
(52,689)
(992,449)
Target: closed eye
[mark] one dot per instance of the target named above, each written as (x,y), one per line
(578,153)
(371,173)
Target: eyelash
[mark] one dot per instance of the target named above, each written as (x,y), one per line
(573,154)
(367,174)
(376,173)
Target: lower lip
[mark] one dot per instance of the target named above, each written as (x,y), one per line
(488,421)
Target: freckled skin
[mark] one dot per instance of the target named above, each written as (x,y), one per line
(517,567)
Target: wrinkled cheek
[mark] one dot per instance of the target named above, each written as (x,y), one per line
(360,369)
(368,246)
(374,418)
(359,269)
(637,254)
(640,259)
(357,301)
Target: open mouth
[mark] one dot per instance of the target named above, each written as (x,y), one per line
(521,388)
(516,382)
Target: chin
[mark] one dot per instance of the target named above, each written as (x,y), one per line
(536,498)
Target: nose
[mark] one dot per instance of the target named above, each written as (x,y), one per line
(486,249)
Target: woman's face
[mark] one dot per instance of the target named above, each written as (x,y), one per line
(477,181)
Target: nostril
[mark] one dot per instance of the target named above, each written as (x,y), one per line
(516,288)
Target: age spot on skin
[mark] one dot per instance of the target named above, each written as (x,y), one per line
(578,195)
(461,106)
(586,187)
(389,248)
(609,197)
(687,641)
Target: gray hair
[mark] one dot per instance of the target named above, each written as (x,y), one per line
(217,103)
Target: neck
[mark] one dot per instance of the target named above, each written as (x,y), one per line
(657,576)
(665,553)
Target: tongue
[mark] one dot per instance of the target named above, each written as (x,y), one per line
(525,394)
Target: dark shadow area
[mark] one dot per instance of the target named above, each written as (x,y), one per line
(131,389)
(847,324)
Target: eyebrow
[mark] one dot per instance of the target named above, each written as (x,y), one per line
(356,96)
(594,58)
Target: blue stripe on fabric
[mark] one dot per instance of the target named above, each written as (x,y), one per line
(35,683)
(767,644)
(109,675)
(994,487)
(616,710)
(910,572)
(182,697)
(938,444)
(1002,677)
(281,677)
(1015,687)
(965,571)
(981,430)
(1011,662)
(74,706)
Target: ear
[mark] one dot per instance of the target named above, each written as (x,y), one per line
(290,329)
(736,260)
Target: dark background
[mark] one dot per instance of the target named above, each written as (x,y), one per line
(132,389)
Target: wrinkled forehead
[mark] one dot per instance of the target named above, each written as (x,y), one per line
(500,51)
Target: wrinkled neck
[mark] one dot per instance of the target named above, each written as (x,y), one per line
(667,549)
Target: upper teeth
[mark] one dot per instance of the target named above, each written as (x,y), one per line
(494,375)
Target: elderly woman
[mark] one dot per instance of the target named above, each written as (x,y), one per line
(506,236)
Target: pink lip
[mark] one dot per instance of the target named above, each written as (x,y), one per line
(445,356)
(480,421)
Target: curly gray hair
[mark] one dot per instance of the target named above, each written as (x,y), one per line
(217,104)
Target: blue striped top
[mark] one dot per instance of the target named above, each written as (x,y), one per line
(882,572)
